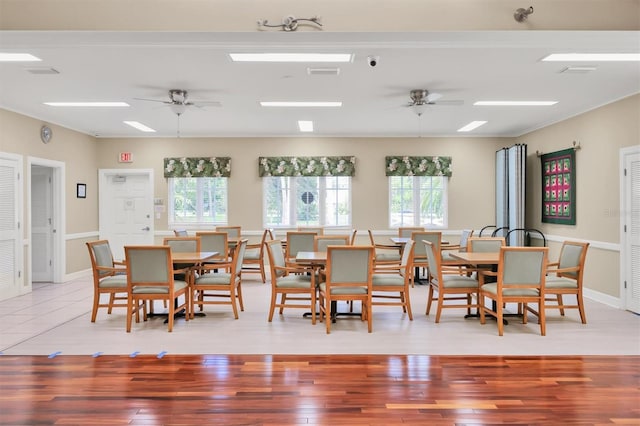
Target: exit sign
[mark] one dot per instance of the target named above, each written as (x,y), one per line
(125,157)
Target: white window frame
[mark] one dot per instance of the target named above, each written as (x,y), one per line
(172,222)
(416,201)
(291,211)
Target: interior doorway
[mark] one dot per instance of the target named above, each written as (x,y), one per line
(46,215)
(630,228)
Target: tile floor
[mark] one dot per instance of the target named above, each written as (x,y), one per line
(55,318)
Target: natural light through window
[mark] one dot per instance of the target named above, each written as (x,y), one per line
(307,201)
(418,201)
(198,201)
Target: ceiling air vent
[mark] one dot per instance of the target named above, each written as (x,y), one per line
(323,71)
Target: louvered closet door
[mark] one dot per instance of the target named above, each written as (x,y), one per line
(631,249)
(10,278)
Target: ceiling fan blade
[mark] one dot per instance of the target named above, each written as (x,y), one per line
(449,103)
(432,97)
(205,103)
(151,100)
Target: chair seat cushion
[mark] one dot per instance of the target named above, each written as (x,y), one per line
(509,292)
(388,280)
(387,257)
(177,285)
(553,282)
(117,281)
(344,290)
(252,254)
(458,281)
(214,278)
(294,281)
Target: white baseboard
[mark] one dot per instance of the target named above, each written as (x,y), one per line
(605,299)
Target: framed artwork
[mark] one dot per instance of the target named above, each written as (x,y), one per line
(81,190)
(559,187)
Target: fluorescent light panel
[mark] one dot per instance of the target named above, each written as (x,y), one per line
(515,103)
(18,57)
(291,57)
(139,126)
(300,104)
(87,104)
(595,57)
(471,126)
(305,126)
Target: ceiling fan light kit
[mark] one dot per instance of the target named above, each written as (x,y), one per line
(521,14)
(290,23)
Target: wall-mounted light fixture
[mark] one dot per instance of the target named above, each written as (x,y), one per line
(522,14)
(290,22)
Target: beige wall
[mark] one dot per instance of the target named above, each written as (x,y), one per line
(469,185)
(601,133)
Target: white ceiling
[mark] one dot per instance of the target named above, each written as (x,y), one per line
(466,65)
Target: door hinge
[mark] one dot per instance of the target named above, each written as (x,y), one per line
(625,172)
(625,228)
(18,225)
(19,274)
(625,284)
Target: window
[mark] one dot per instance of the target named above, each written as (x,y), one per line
(198,201)
(307,201)
(418,201)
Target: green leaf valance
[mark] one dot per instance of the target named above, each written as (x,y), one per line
(307,166)
(418,166)
(197,167)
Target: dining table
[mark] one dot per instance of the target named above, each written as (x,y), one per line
(477,258)
(192,258)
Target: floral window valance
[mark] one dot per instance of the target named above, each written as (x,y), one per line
(197,167)
(418,166)
(307,166)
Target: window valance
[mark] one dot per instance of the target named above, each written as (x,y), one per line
(197,167)
(307,166)
(418,166)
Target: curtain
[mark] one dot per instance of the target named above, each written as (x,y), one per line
(417,166)
(306,166)
(197,167)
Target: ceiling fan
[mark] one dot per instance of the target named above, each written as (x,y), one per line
(178,102)
(421,99)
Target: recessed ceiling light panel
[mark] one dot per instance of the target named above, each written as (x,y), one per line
(291,57)
(87,104)
(515,103)
(594,57)
(305,126)
(18,57)
(139,126)
(471,126)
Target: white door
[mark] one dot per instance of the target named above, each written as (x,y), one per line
(126,208)
(11,276)
(630,255)
(41,224)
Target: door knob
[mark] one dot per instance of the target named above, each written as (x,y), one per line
(146,228)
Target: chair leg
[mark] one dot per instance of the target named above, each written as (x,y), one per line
(583,316)
(272,306)
(313,308)
(129,312)
(542,318)
(171,315)
(239,295)
(440,303)
(96,301)
(264,279)
(112,299)
(407,305)
(233,304)
(560,304)
(327,312)
(499,319)
(429,300)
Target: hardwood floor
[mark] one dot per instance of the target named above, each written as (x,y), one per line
(320,390)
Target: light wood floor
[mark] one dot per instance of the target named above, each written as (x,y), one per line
(319,390)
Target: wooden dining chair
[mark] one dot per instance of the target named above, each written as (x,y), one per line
(217,241)
(520,279)
(183,245)
(222,288)
(298,241)
(291,286)
(448,287)
(109,278)
(150,277)
(406,231)
(564,277)
(320,242)
(232,231)
(388,254)
(347,276)
(420,259)
(253,262)
(390,283)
